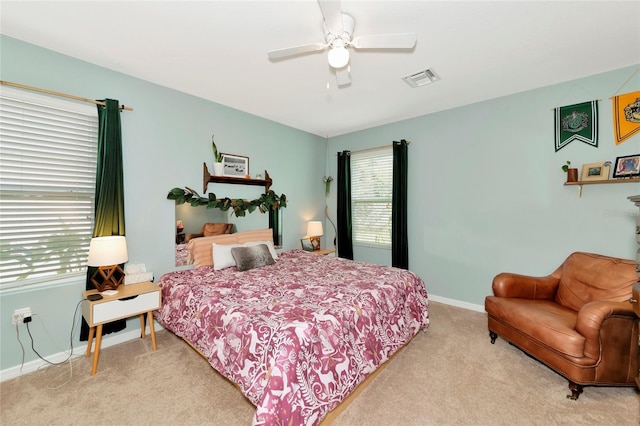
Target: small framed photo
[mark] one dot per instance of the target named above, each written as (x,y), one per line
(595,171)
(627,166)
(306,244)
(235,165)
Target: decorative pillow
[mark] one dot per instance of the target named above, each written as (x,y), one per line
(200,249)
(222,257)
(252,257)
(269,245)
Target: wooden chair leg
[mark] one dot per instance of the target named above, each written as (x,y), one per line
(576,390)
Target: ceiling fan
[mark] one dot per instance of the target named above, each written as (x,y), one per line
(338,33)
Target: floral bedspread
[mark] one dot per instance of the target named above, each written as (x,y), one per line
(297,336)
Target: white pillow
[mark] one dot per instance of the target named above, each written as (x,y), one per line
(222,257)
(269,244)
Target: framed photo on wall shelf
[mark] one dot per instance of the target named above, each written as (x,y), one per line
(595,171)
(306,244)
(627,167)
(235,165)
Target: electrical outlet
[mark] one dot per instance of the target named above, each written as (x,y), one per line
(19,315)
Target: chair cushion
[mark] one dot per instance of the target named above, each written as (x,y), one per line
(209,229)
(543,320)
(588,277)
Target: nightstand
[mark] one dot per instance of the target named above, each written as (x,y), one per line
(323,252)
(131,300)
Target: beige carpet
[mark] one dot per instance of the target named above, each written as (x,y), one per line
(450,375)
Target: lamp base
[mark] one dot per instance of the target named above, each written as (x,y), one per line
(315,243)
(108,277)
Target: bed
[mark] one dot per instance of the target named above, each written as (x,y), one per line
(296,334)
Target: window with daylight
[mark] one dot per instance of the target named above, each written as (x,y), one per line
(48,150)
(371,192)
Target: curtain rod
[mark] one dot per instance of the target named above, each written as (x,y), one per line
(373,148)
(64,95)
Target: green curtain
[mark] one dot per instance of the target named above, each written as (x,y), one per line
(109,176)
(109,195)
(399,241)
(345,241)
(275,223)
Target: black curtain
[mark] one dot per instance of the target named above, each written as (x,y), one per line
(399,242)
(109,195)
(345,242)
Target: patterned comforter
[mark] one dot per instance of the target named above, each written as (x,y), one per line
(297,336)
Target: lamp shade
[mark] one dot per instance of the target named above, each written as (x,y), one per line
(106,251)
(314,228)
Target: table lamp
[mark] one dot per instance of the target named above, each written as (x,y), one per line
(315,231)
(107,253)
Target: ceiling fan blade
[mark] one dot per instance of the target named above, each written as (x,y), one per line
(296,50)
(343,76)
(385,41)
(332,14)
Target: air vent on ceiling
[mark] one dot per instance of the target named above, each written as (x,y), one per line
(422,78)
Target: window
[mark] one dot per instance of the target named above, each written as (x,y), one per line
(48,150)
(371,192)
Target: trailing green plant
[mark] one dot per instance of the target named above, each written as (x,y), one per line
(217,157)
(566,167)
(327,184)
(239,207)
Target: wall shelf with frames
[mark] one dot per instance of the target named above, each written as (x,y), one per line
(597,182)
(207,177)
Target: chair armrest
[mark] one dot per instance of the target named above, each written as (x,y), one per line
(190,236)
(591,319)
(525,287)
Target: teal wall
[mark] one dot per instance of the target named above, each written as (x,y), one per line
(486,188)
(485,184)
(166,139)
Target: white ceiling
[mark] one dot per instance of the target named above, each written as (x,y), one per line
(217,50)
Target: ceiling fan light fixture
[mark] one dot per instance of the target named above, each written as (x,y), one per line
(338,57)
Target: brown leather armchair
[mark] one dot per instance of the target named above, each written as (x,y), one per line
(209,229)
(578,320)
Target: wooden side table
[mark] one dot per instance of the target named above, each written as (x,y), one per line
(131,300)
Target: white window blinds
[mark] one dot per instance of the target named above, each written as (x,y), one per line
(371,192)
(48,150)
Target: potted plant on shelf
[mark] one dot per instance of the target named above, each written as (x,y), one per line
(217,159)
(572,173)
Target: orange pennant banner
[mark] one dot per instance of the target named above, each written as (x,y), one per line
(626,116)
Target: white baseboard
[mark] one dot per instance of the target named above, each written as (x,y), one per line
(109,340)
(458,303)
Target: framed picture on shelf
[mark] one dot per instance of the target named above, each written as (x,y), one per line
(306,244)
(235,165)
(627,167)
(595,171)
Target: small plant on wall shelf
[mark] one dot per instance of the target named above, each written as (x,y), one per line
(572,173)
(239,207)
(217,157)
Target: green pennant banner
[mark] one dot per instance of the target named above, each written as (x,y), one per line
(576,122)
